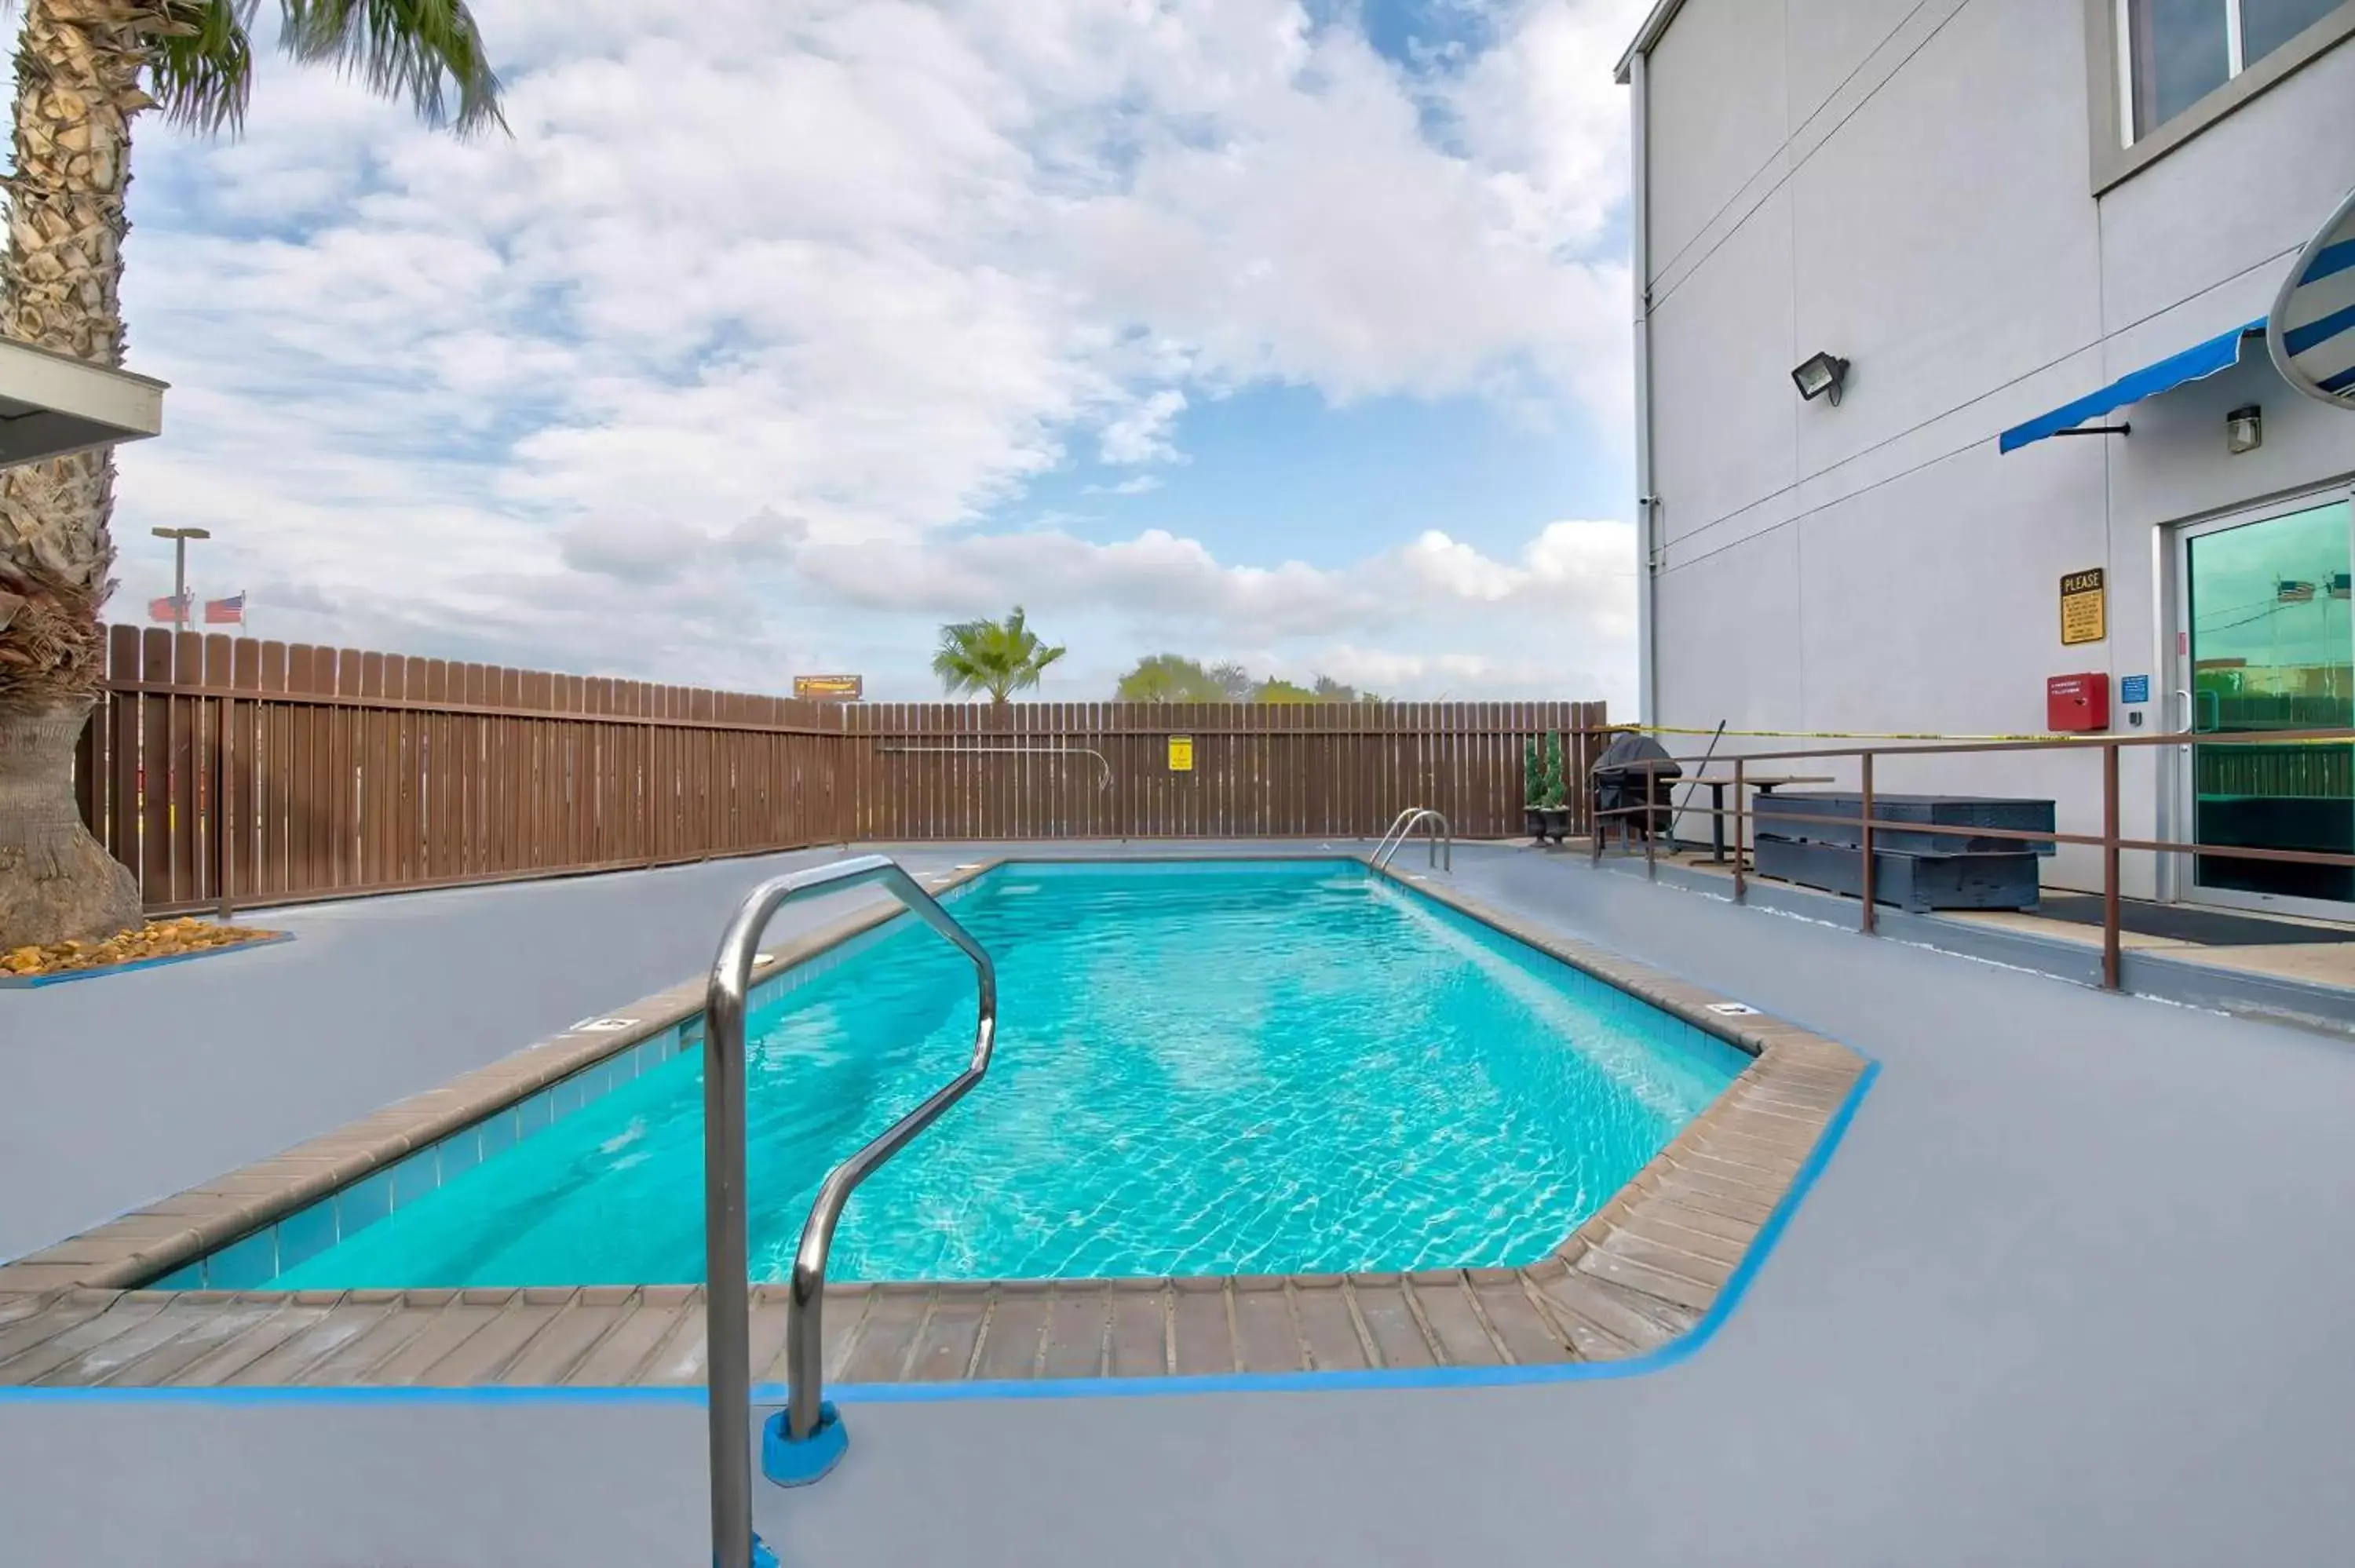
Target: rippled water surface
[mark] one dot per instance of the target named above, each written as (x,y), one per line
(1201,1068)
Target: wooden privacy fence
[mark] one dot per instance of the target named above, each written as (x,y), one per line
(1055,770)
(230,772)
(238,772)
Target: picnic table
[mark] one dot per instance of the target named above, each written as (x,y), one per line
(1764,786)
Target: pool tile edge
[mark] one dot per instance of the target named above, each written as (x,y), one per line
(157,1238)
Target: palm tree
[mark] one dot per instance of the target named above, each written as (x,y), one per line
(1000,657)
(85,69)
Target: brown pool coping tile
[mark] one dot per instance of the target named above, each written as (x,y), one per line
(1329,1333)
(1137,1339)
(157,1239)
(1266,1336)
(1389,1322)
(1077,1321)
(1640,1271)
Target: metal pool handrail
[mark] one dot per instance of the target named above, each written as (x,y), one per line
(1397,822)
(1398,826)
(1442,842)
(726,1265)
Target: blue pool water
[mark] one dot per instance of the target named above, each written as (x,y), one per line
(1201,1068)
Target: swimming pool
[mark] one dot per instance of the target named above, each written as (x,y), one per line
(1237,1067)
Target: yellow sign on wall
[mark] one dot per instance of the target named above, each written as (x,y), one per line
(1181,753)
(2084,614)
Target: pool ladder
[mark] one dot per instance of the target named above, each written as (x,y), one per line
(803,1441)
(1402,828)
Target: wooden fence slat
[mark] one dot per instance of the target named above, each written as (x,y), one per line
(215,775)
(122,716)
(409,729)
(155,761)
(311,838)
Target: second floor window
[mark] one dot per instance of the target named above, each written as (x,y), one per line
(2180,51)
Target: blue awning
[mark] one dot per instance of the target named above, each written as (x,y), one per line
(2219,352)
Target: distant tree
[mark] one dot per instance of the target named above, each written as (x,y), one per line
(1330,690)
(999,657)
(1169,678)
(1174,678)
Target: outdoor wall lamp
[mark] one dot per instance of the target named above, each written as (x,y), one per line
(2244,429)
(1821,374)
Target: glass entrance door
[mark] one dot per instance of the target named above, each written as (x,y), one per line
(2269,644)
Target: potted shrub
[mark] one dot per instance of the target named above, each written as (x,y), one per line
(1554,806)
(1532,790)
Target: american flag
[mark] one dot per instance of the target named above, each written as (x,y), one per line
(168,609)
(2295,592)
(230,611)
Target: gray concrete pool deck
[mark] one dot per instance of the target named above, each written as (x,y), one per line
(2308,977)
(2070,1292)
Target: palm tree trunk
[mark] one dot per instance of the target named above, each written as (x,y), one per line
(78,67)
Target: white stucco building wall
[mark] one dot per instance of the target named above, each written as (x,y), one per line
(1940,192)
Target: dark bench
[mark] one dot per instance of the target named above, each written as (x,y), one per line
(1813,837)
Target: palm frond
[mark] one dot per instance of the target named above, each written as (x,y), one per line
(996,657)
(415,50)
(200,64)
(960,661)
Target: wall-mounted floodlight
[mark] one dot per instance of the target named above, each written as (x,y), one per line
(1822,373)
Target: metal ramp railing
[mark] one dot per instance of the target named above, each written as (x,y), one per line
(1402,828)
(802,1442)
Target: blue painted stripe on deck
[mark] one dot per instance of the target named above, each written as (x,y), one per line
(1679,1350)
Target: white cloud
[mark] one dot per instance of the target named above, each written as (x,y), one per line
(1144,433)
(861,272)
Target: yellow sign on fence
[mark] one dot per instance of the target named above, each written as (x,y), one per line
(2082,617)
(829,688)
(1181,753)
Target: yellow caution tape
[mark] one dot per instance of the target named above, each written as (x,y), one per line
(2205,738)
(1831,734)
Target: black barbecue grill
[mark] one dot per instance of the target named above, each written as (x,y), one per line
(1620,785)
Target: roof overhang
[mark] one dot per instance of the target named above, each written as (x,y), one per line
(1662,13)
(51,405)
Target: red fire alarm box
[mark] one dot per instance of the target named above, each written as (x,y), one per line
(2076,704)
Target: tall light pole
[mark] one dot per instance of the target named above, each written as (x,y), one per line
(180,537)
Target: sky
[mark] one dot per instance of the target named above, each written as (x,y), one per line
(781,331)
